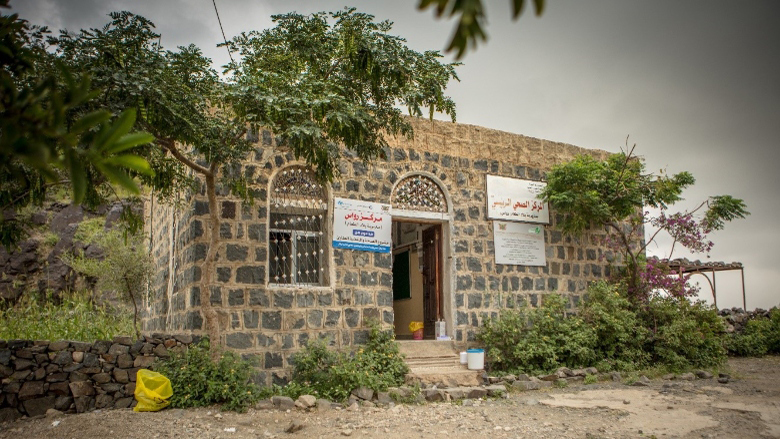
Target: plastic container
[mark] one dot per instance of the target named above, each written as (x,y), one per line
(476,359)
(441,329)
(464,357)
(417,334)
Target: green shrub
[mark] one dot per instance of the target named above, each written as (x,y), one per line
(198,381)
(620,335)
(334,375)
(773,342)
(684,335)
(538,340)
(759,337)
(72,316)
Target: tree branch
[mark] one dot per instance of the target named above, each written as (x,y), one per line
(170,146)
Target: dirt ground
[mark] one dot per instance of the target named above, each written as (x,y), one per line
(748,406)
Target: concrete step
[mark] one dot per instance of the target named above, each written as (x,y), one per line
(436,362)
(427,348)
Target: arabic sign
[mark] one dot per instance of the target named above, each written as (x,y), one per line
(512,199)
(519,243)
(362,225)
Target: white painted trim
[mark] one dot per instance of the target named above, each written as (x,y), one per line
(419,215)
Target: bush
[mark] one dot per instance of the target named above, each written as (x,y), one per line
(610,332)
(198,381)
(334,375)
(684,335)
(72,316)
(759,337)
(620,335)
(538,340)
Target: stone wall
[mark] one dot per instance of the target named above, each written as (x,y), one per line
(73,376)
(272,322)
(737,318)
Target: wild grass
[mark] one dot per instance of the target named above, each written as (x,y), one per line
(73,316)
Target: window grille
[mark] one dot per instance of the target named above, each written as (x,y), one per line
(419,192)
(297,220)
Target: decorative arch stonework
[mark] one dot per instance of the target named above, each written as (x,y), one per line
(419,193)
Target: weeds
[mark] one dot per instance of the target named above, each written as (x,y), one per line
(73,316)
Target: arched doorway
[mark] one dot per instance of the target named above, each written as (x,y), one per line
(421,229)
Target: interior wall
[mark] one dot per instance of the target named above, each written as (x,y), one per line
(409,310)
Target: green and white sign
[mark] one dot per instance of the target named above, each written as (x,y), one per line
(519,243)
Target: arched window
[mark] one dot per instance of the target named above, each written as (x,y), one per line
(421,193)
(296,233)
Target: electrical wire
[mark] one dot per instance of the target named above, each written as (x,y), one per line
(223,31)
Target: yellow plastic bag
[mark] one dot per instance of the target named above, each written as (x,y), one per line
(152,391)
(414,326)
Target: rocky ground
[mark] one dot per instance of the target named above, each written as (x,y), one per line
(747,406)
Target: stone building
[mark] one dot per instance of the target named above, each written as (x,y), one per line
(281,281)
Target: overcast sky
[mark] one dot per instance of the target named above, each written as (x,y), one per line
(695,84)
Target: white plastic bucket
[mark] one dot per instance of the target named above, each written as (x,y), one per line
(476,359)
(464,357)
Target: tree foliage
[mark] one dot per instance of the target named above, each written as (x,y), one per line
(47,135)
(613,194)
(329,79)
(322,83)
(469,27)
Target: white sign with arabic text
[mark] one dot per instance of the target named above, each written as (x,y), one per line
(519,243)
(513,199)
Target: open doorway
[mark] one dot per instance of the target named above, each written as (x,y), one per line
(417,277)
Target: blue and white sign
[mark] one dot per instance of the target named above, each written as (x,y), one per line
(362,225)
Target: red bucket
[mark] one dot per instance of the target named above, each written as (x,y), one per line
(418,334)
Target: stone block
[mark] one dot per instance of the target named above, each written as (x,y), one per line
(31,389)
(161,351)
(433,395)
(81,389)
(121,376)
(56,377)
(101,378)
(62,403)
(283,402)
(38,406)
(59,345)
(85,404)
(271,320)
(61,388)
(124,340)
(143,361)
(363,393)
(117,349)
(239,340)
(124,361)
(526,385)
(62,358)
(250,275)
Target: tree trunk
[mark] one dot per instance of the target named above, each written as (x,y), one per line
(210,317)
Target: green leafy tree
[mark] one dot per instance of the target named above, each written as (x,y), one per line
(471,20)
(47,139)
(322,83)
(613,194)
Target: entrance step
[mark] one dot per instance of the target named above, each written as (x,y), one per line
(437,362)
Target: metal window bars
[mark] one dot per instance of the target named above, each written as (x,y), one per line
(298,211)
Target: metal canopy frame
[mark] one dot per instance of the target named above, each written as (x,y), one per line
(684,266)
